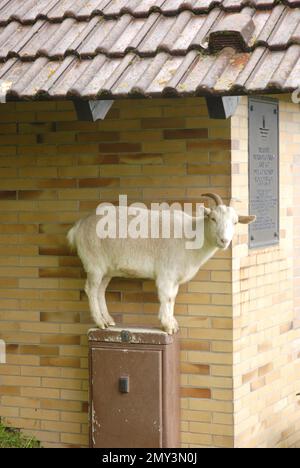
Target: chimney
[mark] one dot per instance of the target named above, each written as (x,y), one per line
(234,30)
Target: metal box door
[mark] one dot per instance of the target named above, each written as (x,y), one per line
(126,416)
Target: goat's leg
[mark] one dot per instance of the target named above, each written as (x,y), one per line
(167,293)
(102,302)
(91,289)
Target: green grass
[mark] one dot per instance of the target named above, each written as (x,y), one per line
(13,438)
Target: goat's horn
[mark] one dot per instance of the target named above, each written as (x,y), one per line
(218,200)
(235,200)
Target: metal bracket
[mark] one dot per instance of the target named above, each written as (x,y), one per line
(126,336)
(222,107)
(91,111)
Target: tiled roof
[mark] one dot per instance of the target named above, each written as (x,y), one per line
(29,11)
(116,48)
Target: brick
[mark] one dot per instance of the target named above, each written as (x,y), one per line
(74,417)
(211,145)
(59,273)
(40,393)
(258,384)
(265,369)
(8,128)
(97,159)
(62,383)
(200,439)
(60,317)
(286,327)
(56,183)
(20,402)
(100,182)
(196,393)
(41,371)
(8,282)
(60,361)
(215,429)
(8,195)
(60,405)
(17,116)
(144,159)
(55,138)
(223,442)
(98,136)
(209,169)
(9,412)
(132,112)
(194,345)
(78,172)
(9,390)
(186,134)
(55,116)
(74,395)
(39,350)
(120,148)
(75,439)
(60,426)
(148,123)
(45,437)
(39,414)
(9,370)
(187,368)
(24,423)
(168,146)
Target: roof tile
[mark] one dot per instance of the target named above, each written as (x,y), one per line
(283,32)
(118,48)
(236,29)
(57,10)
(275,29)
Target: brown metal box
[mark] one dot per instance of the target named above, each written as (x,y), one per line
(134,389)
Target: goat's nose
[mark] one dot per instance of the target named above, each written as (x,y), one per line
(224,241)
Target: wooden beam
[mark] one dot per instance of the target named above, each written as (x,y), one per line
(91,111)
(222,107)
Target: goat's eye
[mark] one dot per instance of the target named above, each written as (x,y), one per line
(214,220)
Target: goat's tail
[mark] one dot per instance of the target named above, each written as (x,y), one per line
(71,236)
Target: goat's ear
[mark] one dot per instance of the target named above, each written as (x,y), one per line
(247,219)
(207,212)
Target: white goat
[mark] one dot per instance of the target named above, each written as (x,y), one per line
(167,261)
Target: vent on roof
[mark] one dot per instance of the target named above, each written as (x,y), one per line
(235,30)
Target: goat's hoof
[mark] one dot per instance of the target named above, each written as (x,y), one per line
(111,322)
(171,327)
(102,326)
(110,325)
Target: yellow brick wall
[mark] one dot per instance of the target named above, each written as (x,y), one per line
(236,317)
(266,344)
(296,214)
(54,170)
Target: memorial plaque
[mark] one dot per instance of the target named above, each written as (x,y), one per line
(264,171)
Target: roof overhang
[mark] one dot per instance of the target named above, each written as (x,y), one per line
(107,50)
